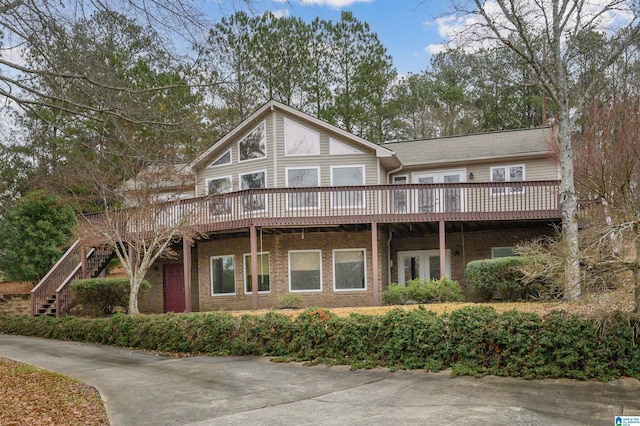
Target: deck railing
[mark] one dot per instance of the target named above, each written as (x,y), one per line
(350,204)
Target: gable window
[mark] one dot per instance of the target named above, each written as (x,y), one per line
(347,176)
(254,145)
(339,148)
(302,178)
(349,269)
(254,180)
(223,275)
(263,273)
(305,270)
(219,204)
(223,159)
(507,174)
(502,252)
(298,140)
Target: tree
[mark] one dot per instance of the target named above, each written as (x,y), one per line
(553,39)
(33,233)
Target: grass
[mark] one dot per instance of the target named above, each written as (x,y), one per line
(31,396)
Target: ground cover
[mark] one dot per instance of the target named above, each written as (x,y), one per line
(31,396)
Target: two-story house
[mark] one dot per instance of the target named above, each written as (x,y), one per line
(296,205)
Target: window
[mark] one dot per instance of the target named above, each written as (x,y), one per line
(400,195)
(223,275)
(254,145)
(502,252)
(299,140)
(254,180)
(507,174)
(219,204)
(302,178)
(263,273)
(349,269)
(305,270)
(339,148)
(347,176)
(223,159)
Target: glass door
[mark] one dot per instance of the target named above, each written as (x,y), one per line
(440,200)
(422,264)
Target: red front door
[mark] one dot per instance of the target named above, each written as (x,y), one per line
(173,283)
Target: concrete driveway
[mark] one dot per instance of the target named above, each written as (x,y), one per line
(140,388)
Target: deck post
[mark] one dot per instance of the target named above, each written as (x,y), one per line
(374,262)
(443,249)
(253,236)
(186,262)
(83,261)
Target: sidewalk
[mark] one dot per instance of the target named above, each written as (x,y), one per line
(141,388)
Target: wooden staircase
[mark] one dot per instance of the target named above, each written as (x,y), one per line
(52,295)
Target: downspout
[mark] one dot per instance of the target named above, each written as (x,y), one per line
(390,260)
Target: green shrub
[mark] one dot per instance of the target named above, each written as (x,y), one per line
(473,341)
(395,295)
(497,275)
(423,291)
(290,301)
(104,294)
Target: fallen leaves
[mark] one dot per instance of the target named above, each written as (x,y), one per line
(30,396)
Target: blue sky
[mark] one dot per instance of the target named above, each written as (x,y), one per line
(405,27)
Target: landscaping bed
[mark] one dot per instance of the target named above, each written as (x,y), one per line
(31,396)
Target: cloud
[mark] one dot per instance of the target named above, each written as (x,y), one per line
(281,13)
(336,4)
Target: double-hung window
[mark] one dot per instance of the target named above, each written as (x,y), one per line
(303,178)
(507,174)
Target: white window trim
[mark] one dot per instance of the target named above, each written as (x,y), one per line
(266,145)
(508,191)
(219,178)
(364,182)
(247,264)
(336,141)
(426,253)
(230,151)
(211,275)
(289,266)
(333,266)
(393,179)
(501,248)
(287,183)
(266,185)
(286,121)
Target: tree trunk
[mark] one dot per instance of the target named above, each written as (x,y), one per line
(569,208)
(133,294)
(636,272)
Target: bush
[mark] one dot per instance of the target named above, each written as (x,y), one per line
(497,275)
(423,291)
(473,340)
(104,294)
(290,301)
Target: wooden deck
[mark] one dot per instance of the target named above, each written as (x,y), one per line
(281,207)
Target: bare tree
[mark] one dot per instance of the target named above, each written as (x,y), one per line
(568,45)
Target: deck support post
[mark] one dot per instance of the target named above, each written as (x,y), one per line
(443,249)
(83,261)
(253,236)
(374,263)
(186,262)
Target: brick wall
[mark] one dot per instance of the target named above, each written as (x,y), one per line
(14,305)
(464,247)
(278,247)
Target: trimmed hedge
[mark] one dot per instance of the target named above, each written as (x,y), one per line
(423,291)
(497,275)
(104,294)
(473,340)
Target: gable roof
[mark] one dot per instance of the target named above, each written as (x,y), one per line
(475,148)
(386,155)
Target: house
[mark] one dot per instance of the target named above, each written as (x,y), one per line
(296,205)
